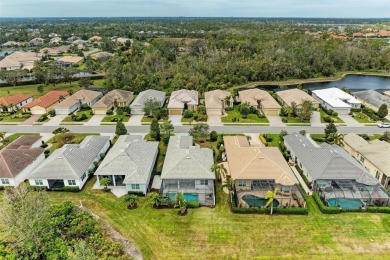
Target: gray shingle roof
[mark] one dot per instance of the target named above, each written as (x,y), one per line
(186,161)
(148,94)
(72,160)
(372,97)
(327,162)
(131,156)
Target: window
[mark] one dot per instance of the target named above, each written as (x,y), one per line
(4,181)
(378,174)
(72,182)
(204,182)
(38,182)
(135,186)
(83,176)
(242,183)
(362,159)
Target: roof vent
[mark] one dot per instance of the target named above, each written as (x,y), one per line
(188,157)
(60,157)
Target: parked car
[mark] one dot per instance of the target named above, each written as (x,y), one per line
(384,125)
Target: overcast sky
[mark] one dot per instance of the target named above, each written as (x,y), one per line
(202,8)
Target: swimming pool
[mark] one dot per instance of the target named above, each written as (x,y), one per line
(346,203)
(189,197)
(254,201)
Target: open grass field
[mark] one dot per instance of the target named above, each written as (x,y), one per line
(235,113)
(32,89)
(216,233)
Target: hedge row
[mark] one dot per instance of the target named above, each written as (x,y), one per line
(379,210)
(281,211)
(193,204)
(66,188)
(325,209)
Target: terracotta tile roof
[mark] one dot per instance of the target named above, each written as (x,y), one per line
(84,95)
(121,96)
(48,99)
(18,155)
(14,99)
(252,96)
(70,59)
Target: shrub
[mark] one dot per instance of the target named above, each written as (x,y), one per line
(379,210)
(244,111)
(193,204)
(109,112)
(52,113)
(284,120)
(67,189)
(282,211)
(327,119)
(335,114)
(42,118)
(165,139)
(60,130)
(213,136)
(84,107)
(325,209)
(365,136)
(119,111)
(187,114)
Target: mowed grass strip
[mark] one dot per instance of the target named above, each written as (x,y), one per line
(217,233)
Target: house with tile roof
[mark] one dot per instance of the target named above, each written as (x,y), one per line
(14,102)
(36,42)
(216,101)
(256,170)
(137,106)
(336,100)
(70,165)
(372,155)
(95,38)
(188,169)
(112,100)
(19,159)
(44,104)
(297,96)
(129,163)
(101,55)
(74,102)
(260,99)
(182,99)
(19,60)
(335,175)
(67,61)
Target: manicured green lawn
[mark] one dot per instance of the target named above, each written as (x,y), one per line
(275,140)
(124,118)
(361,118)
(187,120)
(32,89)
(67,138)
(235,113)
(216,233)
(295,120)
(78,114)
(335,118)
(317,136)
(147,119)
(18,117)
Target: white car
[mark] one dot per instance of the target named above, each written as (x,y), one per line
(384,125)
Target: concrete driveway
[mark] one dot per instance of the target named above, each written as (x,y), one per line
(316,119)
(31,120)
(95,120)
(134,120)
(349,120)
(55,121)
(214,121)
(275,121)
(175,120)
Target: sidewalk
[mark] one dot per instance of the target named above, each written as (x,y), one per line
(301,181)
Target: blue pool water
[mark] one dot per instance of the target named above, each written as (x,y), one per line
(345,203)
(189,197)
(254,201)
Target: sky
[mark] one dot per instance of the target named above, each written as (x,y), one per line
(196,8)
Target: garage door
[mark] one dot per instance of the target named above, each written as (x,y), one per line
(342,111)
(99,111)
(214,112)
(272,112)
(62,111)
(38,111)
(175,111)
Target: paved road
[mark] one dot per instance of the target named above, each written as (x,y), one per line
(184,129)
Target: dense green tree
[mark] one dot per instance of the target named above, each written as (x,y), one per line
(330,129)
(155,130)
(383,111)
(199,132)
(151,107)
(120,129)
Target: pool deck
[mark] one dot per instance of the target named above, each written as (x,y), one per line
(261,194)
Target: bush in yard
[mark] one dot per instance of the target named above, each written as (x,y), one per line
(83,117)
(335,114)
(201,110)
(379,210)
(252,110)
(284,120)
(42,118)
(244,111)
(213,136)
(382,111)
(155,130)
(193,204)
(120,129)
(187,114)
(327,119)
(84,107)
(109,112)
(119,111)
(52,113)
(165,139)
(323,208)
(60,130)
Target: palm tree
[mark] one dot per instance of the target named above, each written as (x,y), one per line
(270,196)
(104,182)
(386,136)
(132,200)
(70,92)
(336,138)
(180,202)
(229,184)
(61,98)
(219,170)
(156,199)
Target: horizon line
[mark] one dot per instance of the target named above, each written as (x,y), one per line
(247,17)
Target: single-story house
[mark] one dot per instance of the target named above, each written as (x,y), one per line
(12,44)
(55,40)
(14,102)
(188,169)
(36,41)
(216,101)
(113,99)
(373,155)
(56,51)
(72,38)
(335,175)
(73,103)
(256,170)
(137,107)
(70,164)
(336,100)
(101,55)
(44,104)
(95,38)
(287,97)
(19,60)
(70,61)
(372,99)
(129,163)
(260,99)
(182,99)
(19,158)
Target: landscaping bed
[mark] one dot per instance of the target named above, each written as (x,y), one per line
(17,117)
(60,140)
(115,118)
(234,116)
(78,116)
